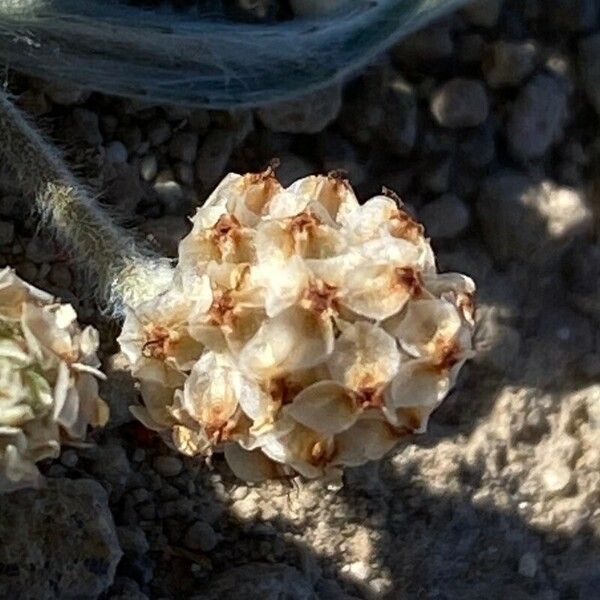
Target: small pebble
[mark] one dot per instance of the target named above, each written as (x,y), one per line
(446,217)
(7,233)
(168,466)
(528,565)
(148,167)
(201,536)
(116,152)
(158,133)
(460,103)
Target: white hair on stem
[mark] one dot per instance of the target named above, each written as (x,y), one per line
(197,57)
(124,273)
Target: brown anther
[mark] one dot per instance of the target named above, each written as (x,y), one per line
(318,453)
(410,279)
(369,397)
(158,342)
(225,226)
(447,354)
(303,222)
(466,303)
(391,194)
(320,297)
(221,311)
(403,226)
(283,391)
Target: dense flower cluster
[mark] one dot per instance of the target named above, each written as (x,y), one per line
(303,331)
(48,386)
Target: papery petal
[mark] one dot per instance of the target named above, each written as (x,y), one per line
(375,292)
(284,284)
(212,391)
(326,407)
(157,400)
(417,384)
(366,222)
(250,465)
(424,325)
(390,251)
(294,339)
(250,196)
(303,449)
(157,371)
(368,439)
(365,356)
(274,242)
(334,194)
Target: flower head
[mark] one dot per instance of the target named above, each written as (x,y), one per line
(48,380)
(307,332)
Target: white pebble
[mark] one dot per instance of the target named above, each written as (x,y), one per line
(116,153)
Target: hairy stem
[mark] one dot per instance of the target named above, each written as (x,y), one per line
(123,273)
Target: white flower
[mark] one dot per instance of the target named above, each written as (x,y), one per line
(156,337)
(48,380)
(304,333)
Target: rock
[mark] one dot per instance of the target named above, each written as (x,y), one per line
(183,146)
(131,138)
(125,588)
(115,152)
(470,48)
(60,276)
(556,478)
(358,570)
(446,217)
(528,565)
(530,220)
(508,63)
(537,118)
(201,536)
(118,389)
(483,13)
(184,173)
(111,466)
(148,167)
(308,114)
(497,343)
(7,233)
(57,542)
(158,132)
(573,15)
(247,508)
(436,174)
(168,190)
(40,251)
(65,95)
(583,279)
(166,232)
(477,147)
(83,124)
(425,46)
(460,103)
(589,65)
(133,540)
(399,124)
(259,580)
(168,466)
(213,156)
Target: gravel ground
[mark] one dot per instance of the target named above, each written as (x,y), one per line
(487,125)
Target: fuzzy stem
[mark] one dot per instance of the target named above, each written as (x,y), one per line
(124,273)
